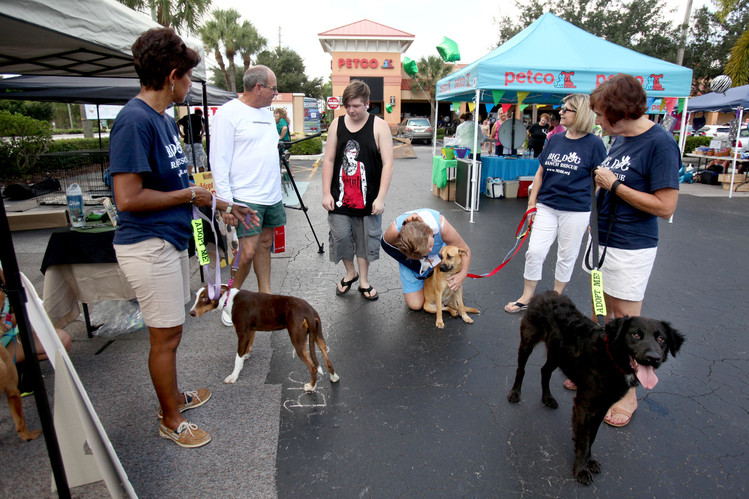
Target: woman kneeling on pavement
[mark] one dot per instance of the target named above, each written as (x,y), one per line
(155,199)
(415,239)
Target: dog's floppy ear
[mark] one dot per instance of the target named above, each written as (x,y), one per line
(674,338)
(615,328)
(462,252)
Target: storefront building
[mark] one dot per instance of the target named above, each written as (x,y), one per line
(371,52)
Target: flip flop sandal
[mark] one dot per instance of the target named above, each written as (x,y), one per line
(346,285)
(621,412)
(519,307)
(369,290)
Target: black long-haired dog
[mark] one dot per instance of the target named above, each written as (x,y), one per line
(603,362)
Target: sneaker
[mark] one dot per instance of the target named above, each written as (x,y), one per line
(226,319)
(193,400)
(186,435)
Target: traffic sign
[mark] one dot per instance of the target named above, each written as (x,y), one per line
(333,103)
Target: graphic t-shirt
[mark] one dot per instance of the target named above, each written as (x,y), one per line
(146,142)
(567,165)
(647,162)
(356,171)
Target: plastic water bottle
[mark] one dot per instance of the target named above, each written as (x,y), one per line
(75,205)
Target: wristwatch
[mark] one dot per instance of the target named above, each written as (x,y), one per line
(228,208)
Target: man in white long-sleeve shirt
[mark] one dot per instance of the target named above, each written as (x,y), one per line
(245,167)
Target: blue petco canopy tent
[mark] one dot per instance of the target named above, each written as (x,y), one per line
(733,99)
(552,58)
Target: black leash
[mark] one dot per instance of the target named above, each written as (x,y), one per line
(596,277)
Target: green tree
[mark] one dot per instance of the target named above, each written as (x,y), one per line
(707,49)
(22,139)
(431,69)
(635,24)
(735,16)
(223,32)
(37,110)
(289,69)
(178,14)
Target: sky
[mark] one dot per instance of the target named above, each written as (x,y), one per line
(473,28)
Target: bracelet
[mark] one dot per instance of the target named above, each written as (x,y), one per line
(228,209)
(615,185)
(192,195)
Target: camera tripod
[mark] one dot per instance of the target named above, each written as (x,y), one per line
(283,156)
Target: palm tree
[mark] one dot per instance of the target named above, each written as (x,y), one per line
(737,66)
(250,43)
(226,37)
(175,13)
(211,36)
(431,69)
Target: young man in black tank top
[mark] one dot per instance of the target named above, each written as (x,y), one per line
(356,174)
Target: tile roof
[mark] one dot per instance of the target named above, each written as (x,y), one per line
(366,28)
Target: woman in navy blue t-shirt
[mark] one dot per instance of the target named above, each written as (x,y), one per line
(154,198)
(642,171)
(561,195)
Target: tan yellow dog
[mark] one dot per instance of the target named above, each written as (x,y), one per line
(438,296)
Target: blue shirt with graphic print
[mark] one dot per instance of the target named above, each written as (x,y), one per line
(567,165)
(146,142)
(647,162)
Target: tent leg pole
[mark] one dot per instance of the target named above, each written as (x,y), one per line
(736,151)
(207,131)
(17,298)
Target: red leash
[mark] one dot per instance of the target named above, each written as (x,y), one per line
(520,236)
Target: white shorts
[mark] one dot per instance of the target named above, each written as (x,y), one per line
(160,276)
(625,272)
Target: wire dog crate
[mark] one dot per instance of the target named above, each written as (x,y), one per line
(56,171)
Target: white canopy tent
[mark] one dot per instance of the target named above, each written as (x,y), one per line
(68,38)
(74,38)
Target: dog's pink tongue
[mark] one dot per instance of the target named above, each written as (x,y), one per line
(647,377)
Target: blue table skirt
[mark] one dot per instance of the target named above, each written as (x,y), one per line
(506,168)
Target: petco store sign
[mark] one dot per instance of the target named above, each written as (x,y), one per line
(363,63)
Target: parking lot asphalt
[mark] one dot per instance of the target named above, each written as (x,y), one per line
(421,411)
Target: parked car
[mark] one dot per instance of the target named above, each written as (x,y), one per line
(711,130)
(419,129)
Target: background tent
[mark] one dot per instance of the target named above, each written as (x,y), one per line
(89,90)
(549,59)
(552,58)
(733,99)
(80,37)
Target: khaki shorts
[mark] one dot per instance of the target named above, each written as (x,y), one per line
(160,276)
(354,236)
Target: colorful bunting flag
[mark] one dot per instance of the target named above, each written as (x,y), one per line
(471,107)
(522,96)
(497,95)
